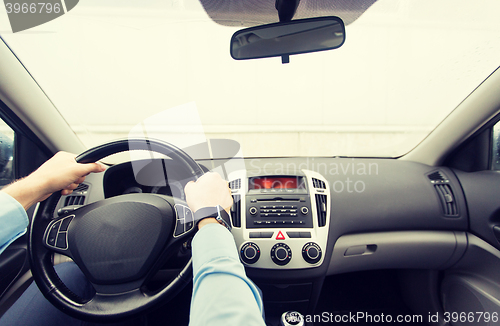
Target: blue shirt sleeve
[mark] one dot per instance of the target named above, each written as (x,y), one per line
(222,293)
(13,220)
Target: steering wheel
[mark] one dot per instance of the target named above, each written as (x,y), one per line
(118,243)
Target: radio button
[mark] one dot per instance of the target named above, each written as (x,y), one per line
(304,210)
(293,234)
(266,234)
(253,210)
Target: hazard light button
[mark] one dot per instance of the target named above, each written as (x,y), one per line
(280,236)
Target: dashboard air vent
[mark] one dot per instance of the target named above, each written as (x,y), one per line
(235,184)
(236,211)
(437,177)
(447,199)
(321,209)
(82,187)
(74,200)
(318,183)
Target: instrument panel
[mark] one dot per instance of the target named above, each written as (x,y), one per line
(280,221)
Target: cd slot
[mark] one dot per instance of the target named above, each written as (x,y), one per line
(278,199)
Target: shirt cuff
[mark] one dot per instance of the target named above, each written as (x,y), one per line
(13,220)
(215,241)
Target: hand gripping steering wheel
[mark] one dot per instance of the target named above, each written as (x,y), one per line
(118,243)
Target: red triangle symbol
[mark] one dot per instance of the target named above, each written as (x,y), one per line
(280,236)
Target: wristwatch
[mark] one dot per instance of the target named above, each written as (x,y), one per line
(216,212)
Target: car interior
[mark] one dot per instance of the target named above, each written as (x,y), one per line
(337,233)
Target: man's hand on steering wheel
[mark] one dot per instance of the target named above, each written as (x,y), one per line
(61,172)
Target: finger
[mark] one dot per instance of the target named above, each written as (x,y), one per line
(66,192)
(79,180)
(71,186)
(87,168)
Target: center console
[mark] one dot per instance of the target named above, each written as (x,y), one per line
(280,221)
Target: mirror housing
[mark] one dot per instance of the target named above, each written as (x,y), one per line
(284,39)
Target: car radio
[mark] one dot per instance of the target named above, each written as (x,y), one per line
(274,201)
(280,221)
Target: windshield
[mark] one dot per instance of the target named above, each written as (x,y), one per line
(111,67)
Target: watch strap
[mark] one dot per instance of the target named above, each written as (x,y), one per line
(216,212)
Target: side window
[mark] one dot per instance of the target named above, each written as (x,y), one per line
(496,147)
(6,154)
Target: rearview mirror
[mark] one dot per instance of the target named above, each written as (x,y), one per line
(284,39)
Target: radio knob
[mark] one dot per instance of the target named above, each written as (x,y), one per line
(253,210)
(311,253)
(304,210)
(250,253)
(281,254)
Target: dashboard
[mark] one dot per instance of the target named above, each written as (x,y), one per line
(295,218)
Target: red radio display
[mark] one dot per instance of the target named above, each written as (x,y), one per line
(276,183)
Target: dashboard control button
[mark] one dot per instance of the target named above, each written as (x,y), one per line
(281,254)
(65,223)
(52,236)
(253,210)
(255,234)
(305,234)
(179,227)
(266,234)
(304,210)
(61,241)
(293,234)
(250,253)
(311,253)
(280,236)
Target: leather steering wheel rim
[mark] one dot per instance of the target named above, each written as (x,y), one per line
(106,307)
